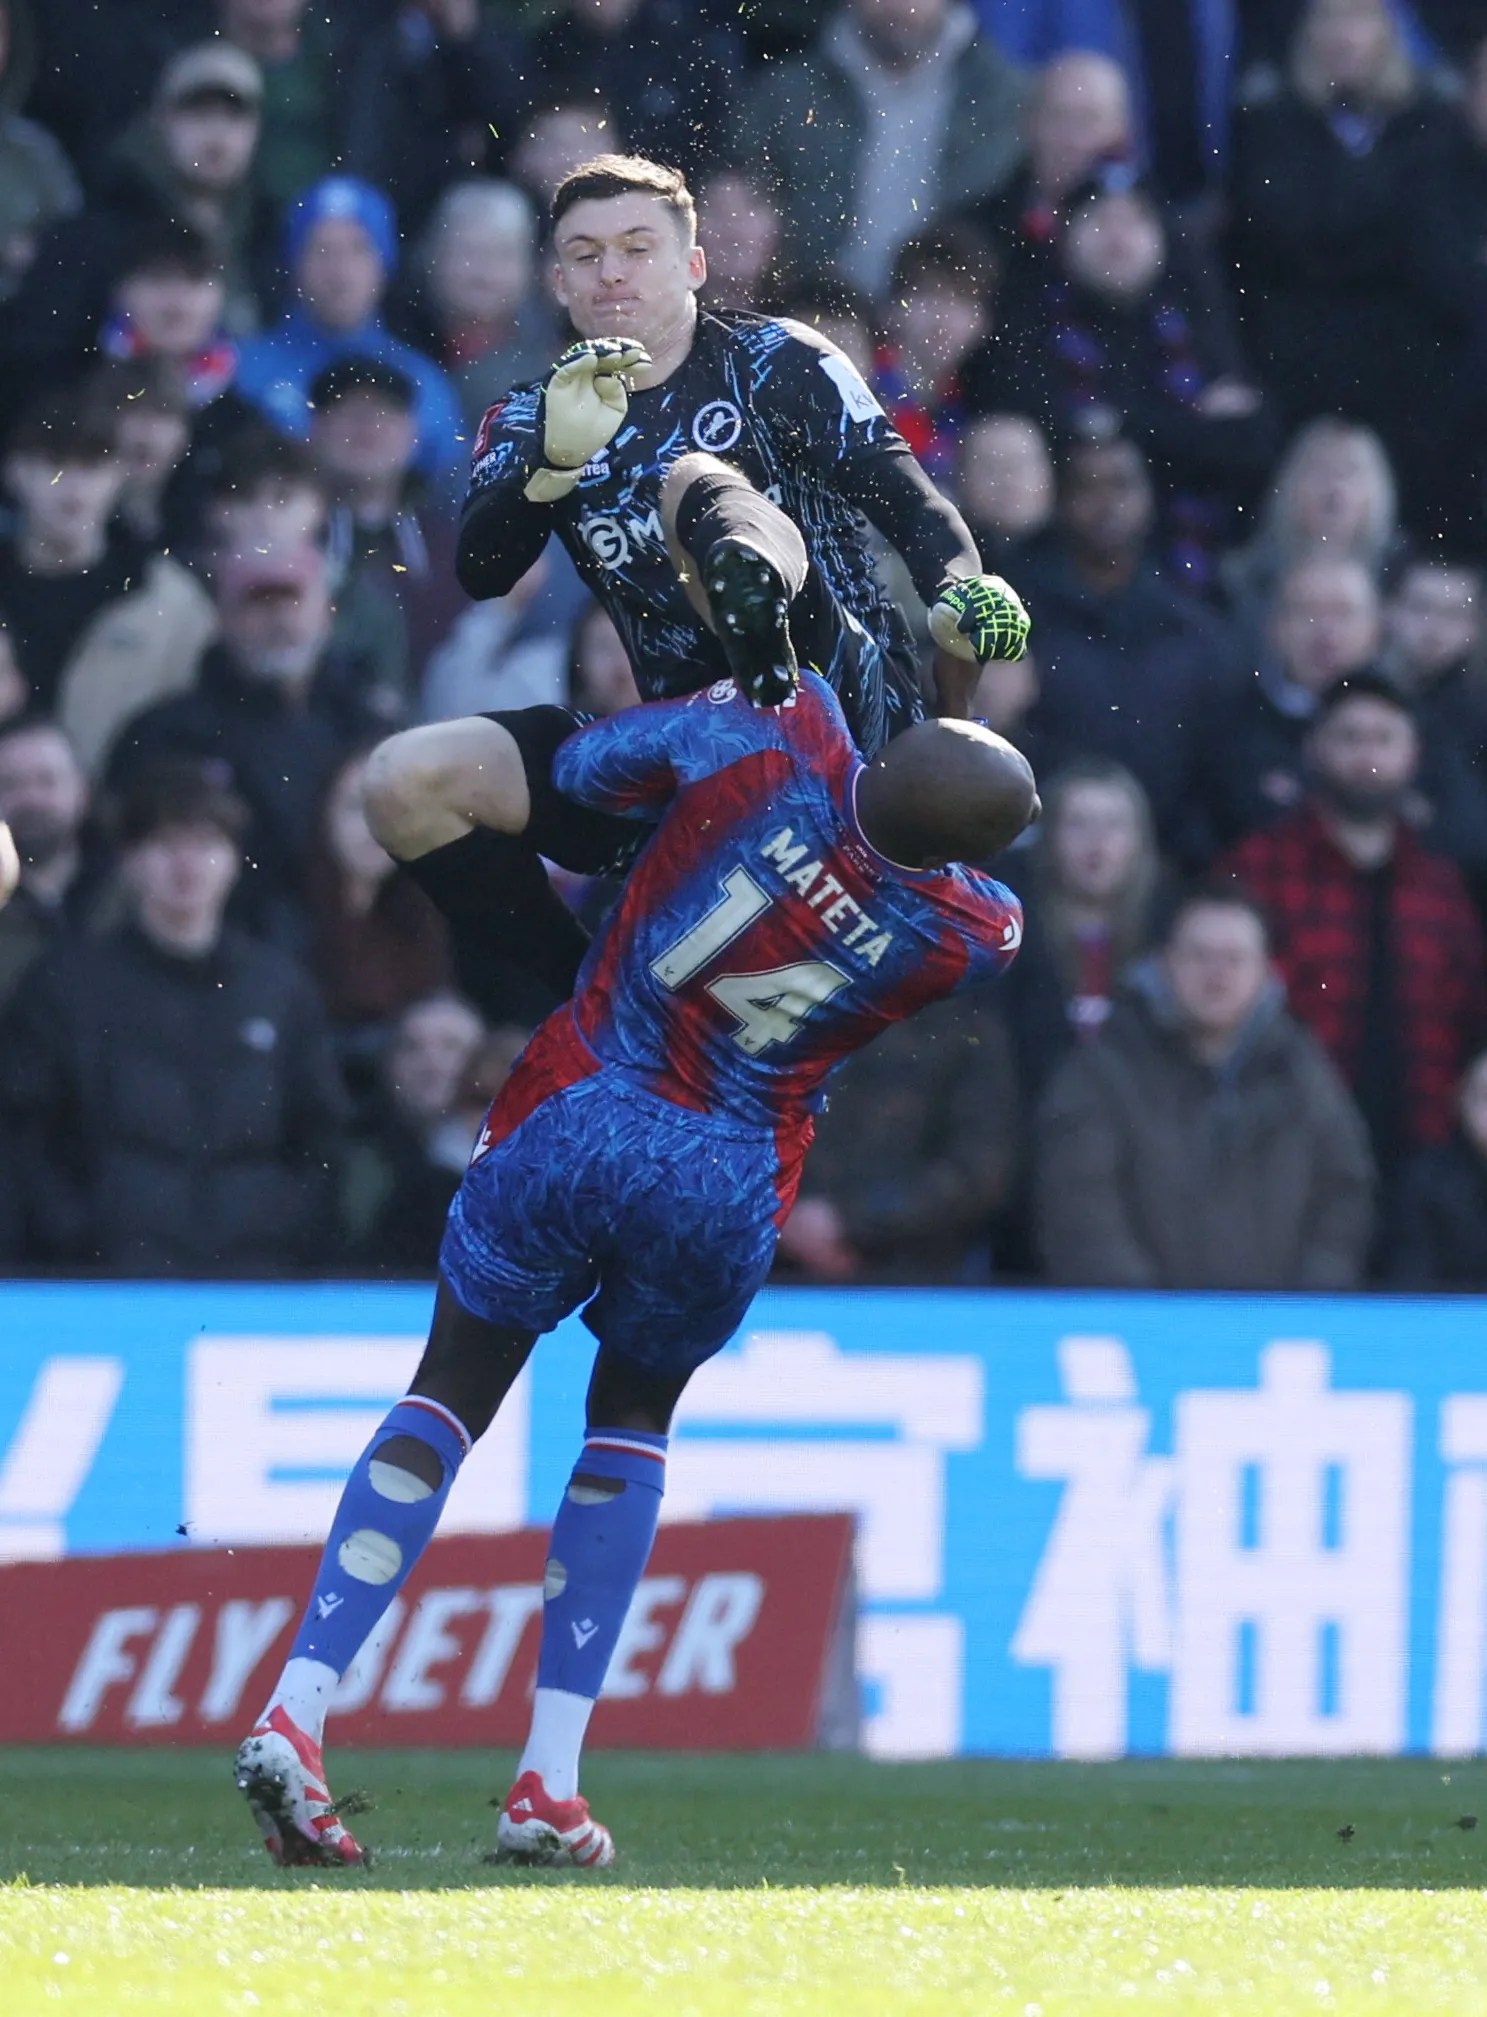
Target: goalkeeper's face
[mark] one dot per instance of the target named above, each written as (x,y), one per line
(627,266)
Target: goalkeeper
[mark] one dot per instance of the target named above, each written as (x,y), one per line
(710,472)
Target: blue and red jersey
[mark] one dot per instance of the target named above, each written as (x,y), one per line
(760,939)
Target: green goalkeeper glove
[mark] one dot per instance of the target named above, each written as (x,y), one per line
(585,402)
(979,616)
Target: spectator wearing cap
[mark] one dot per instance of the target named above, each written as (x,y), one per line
(44,801)
(186,161)
(385,535)
(897,116)
(102,625)
(38,187)
(276,707)
(1376,939)
(341,248)
(1203,1140)
(206,1052)
(300,53)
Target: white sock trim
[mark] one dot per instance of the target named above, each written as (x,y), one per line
(303,1693)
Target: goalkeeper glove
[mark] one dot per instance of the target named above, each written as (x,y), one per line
(977,617)
(585,401)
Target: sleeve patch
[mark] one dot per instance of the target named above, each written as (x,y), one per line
(857,395)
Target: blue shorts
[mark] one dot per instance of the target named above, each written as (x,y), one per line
(662,1220)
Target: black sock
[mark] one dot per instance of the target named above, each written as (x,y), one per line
(502,912)
(723,504)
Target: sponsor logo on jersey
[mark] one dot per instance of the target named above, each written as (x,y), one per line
(611,538)
(717,426)
(857,396)
(596,469)
(721,692)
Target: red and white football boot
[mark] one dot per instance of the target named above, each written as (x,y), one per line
(536,1829)
(279,1773)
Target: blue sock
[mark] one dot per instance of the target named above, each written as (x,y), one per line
(601,1542)
(384,1522)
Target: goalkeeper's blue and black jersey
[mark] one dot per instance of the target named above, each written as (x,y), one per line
(792,412)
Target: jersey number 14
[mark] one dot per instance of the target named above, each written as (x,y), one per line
(768,1007)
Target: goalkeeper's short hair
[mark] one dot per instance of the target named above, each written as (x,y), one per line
(624,175)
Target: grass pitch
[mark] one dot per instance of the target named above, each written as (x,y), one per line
(749,1887)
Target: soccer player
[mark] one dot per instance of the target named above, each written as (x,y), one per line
(639,1161)
(652,450)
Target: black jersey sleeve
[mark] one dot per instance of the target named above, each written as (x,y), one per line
(840,429)
(502,532)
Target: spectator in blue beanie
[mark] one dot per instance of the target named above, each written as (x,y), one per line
(341,247)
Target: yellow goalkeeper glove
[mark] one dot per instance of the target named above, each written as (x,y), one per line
(584,403)
(979,616)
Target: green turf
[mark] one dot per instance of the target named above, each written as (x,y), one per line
(757,1886)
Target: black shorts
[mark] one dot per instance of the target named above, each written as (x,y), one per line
(875,678)
(574,836)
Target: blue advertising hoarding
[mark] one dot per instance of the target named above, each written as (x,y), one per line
(1088,1524)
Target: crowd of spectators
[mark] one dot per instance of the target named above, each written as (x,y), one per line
(1183,301)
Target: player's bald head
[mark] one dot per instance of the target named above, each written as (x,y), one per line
(946,791)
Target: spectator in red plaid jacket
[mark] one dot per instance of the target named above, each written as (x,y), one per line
(1378,943)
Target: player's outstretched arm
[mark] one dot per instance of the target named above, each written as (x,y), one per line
(529,455)
(432,785)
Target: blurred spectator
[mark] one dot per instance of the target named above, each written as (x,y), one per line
(1004,483)
(1324,623)
(1006,694)
(1342,311)
(15,694)
(902,112)
(206,1051)
(1333,492)
(564,129)
(44,801)
(384,534)
(101,625)
(276,709)
(511,651)
(37,184)
(92,67)
(600,678)
(430,89)
(1130,664)
(166,305)
(150,413)
(376,942)
(936,312)
(1433,637)
(185,162)
(1440,1241)
(1377,941)
(491,325)
(675,74)
(913,1155)
(1123,334)
(1203,1141)
(844,315)
(1091,882)
(298,52)
(738,227)
(340,245)
(1178,53)
(406,1163)
(1076,125)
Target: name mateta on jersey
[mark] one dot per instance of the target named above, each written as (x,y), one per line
(857,396)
